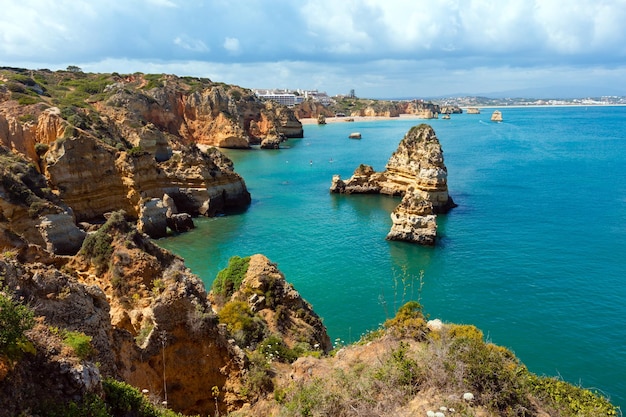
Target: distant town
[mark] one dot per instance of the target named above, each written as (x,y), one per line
(293,97)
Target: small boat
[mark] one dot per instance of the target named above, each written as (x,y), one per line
(446,116)
(354,135)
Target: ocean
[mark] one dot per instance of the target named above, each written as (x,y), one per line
(534,254)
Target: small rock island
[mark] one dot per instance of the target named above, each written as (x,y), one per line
(415,171)
(496,116)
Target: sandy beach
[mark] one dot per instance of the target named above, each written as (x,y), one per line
(350,119)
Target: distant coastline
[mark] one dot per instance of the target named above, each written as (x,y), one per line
(351,119)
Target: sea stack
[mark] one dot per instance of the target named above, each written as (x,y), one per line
(496,116)
(415,171)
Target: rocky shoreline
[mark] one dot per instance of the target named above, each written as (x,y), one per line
(310,121)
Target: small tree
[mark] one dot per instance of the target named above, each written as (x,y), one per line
(74,68)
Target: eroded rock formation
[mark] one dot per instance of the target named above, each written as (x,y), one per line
(94,178)
(416,171)
(282,309)
(150,322)
(496,116)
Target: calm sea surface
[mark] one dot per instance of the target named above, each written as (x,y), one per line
(534,255)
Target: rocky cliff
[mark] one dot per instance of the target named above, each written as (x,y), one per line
(415,171)
(108,141)
(149,322)
(356,107)
(496,116)
(155,112)
(280,307)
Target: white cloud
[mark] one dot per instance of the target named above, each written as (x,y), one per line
(373,45)
(190,44)
(162,3)
(232,45)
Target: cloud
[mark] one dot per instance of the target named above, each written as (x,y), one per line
(194,45)
(371,45)
(232,45)
(162,3)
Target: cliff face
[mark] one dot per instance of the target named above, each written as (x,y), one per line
(217,115)
(94,178)
(416,171)
(30,212)
(374,108)
(155,112)
(283,311)
(110,142)
(148,318)
(150,322)
(418,161)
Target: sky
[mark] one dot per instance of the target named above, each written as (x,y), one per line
(379,48)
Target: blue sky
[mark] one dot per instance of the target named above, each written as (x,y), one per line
(380,48)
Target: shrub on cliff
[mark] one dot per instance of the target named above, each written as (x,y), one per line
(119,399)
(408,322)
(97,247)
(229,279)
(245,327)
(15,319)
(441,367)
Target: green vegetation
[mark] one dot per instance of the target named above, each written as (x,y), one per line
(448,362)
(15,319)
(258,378)
(490,370)
(229,279)
(274,348)
(97,247)
(144,332)
(79,342)
(246,327)
(408,322)
(569,400)
(152,81)
(119,399)
(136,151)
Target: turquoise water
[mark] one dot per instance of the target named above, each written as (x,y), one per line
(533,255)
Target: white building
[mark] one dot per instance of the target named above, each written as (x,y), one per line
(290,99)
(284,98)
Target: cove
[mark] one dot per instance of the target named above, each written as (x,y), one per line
(533,254)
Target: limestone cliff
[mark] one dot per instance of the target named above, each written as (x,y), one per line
(148,317)
(30,212)
(94,178)
(149,320)
(283,311)
(416,171)
(155,112)
(107,142)
(357,107)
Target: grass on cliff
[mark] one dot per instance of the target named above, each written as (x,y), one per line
(437,364)
(24,185)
